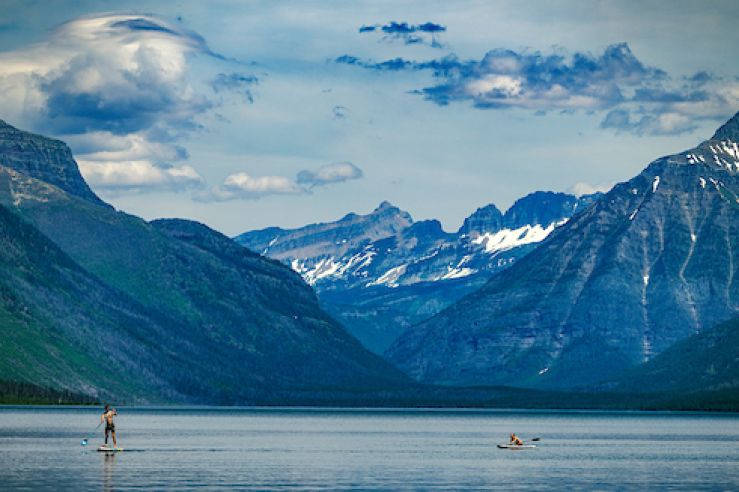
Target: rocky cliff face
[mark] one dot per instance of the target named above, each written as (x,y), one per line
(380,273)
(650,263)
(45,159)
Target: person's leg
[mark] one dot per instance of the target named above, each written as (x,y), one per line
(115,444)
(106,435)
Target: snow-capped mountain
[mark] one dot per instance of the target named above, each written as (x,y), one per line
(381,272)
(653,261)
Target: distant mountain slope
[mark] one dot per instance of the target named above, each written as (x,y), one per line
(382,272)
(242,327)
(707,361)
(650,263)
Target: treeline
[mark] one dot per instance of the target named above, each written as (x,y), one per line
(21,393)
(506,397)
(420,396)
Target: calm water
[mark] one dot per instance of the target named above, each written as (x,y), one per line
(367,449)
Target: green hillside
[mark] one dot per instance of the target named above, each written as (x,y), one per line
(162,311)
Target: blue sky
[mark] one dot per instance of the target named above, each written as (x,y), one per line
(250,114)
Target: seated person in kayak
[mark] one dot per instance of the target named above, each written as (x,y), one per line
(107,417)
(516,440)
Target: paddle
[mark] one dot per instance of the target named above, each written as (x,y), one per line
(535,439)
(84,439)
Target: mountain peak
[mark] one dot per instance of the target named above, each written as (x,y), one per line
(539,207)
(384,205)
(43,158)
(484,219)
(729,130)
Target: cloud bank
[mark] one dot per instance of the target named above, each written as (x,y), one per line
(242,186)
(636,97)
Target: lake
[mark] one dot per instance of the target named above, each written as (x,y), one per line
(230,448)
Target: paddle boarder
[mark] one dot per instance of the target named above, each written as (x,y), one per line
(107,417)
(514,440)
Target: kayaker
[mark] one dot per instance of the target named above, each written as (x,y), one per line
(516,440)
(107,417)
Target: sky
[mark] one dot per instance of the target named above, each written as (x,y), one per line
(250,114)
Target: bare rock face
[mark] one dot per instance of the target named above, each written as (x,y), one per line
(45,159)
(650,263)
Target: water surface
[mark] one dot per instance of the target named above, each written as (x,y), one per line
(231,448)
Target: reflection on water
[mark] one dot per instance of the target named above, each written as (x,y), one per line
(230,448)
(108,469)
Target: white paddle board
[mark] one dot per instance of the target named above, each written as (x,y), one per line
(109,449)
(513,446)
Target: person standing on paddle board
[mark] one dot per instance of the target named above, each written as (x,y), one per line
(107,417)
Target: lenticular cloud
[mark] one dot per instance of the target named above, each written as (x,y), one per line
(121,81)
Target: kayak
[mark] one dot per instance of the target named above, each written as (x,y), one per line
(513,446)
(109,449)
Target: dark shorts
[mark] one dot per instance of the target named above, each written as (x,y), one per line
(109,427)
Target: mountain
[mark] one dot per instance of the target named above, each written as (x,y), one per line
(101,302)
(647,265)
(382,272)
(704,362)
(332,239)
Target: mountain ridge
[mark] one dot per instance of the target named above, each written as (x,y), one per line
(383,281)
(604,291)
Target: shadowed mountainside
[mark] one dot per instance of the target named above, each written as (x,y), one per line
(162,311)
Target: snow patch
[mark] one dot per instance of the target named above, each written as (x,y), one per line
(391,277)
(269,245)
(506,239)
(324,268)
(723,150)
(457,273)
(702,182)
(655,184)
(646,348)
(330,267)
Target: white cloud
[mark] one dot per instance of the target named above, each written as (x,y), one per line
(139,176)
(120,73)
(330,173)
(247,187)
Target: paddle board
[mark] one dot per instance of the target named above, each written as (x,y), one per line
(513,446)
(109,449)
